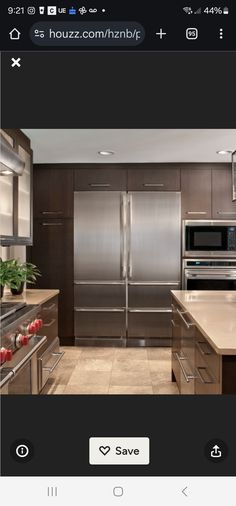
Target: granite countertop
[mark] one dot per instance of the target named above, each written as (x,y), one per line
(30,296)
(214,313)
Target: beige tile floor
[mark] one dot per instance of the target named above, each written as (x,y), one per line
(113,371)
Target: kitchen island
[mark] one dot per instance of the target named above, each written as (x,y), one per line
(204,341)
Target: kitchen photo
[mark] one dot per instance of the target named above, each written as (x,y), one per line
(118,262)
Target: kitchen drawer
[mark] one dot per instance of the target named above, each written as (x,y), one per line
(156,179)
(100,295)
(148,324)
(48,361)
(207,355)
(148,295)
(208,379)
(100,323)
(49,315)
(50,306)
(100,179)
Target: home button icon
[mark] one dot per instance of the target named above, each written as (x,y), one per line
(14,34)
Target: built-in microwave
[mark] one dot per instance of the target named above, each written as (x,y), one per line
(209,238)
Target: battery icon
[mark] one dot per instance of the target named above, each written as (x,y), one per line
(226,10)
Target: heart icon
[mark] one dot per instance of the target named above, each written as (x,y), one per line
(104,449)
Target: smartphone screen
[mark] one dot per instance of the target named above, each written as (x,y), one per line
(118,253)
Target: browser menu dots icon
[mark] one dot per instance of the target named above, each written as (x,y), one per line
(119,451)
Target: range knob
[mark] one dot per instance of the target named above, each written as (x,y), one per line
(22,340)
(31,328)
(5,355)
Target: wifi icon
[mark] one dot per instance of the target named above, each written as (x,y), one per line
(188,10)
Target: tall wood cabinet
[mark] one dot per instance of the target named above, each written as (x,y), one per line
(52,249)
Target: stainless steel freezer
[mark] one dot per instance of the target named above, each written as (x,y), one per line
(126,261)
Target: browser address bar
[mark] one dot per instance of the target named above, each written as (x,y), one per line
(86,33)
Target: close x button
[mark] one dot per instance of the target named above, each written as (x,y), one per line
(119,451)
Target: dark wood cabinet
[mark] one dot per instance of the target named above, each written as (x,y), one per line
(154,178)
(196,192)
(223,206)
(52,252)
(108,178)
(53,191)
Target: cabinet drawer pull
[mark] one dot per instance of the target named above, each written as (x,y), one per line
(226,212)
(51,369)
(99,185)
(52,212)
(49,308)
(150,185)
(173,323)
(45,224)
(196,212)
(49,324)
(187,377)
(202,351)
(200,371)
(188,325)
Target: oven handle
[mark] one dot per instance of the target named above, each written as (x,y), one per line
(211,275)
(59,355)
(19,366)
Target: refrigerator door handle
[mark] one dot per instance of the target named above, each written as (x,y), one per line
(123,221)
(130,267)
(93,282)
(150,310)
(99,310)
(154,283)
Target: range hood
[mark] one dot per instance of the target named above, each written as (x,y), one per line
(10,161)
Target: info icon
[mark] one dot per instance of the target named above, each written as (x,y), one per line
(22,450)
(216,450)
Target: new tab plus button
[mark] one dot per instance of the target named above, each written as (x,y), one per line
(128,451)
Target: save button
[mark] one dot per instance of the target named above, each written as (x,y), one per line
(119,451)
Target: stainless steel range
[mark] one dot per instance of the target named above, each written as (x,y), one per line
(19,346)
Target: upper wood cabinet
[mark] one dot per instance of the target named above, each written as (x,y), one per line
(16,194)
(154,178)
(107,178)
(223,206)
(196,192)
(53,191)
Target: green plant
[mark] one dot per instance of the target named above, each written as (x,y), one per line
(19,273)
(5,272)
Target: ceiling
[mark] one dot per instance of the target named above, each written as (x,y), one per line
(130,146)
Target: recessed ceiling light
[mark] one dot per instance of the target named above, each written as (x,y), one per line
(106,153)
(6,172)
(225,152)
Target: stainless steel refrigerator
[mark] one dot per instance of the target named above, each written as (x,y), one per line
(126,261)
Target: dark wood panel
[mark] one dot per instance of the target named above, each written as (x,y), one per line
(53,191)
(229,374)
(196,192)
(100,179)
(223,207)
(53,254)
(154,178)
